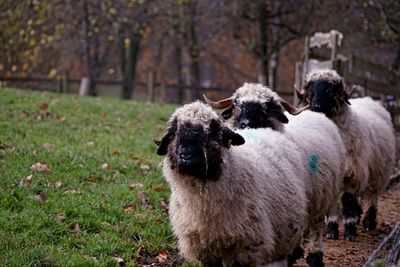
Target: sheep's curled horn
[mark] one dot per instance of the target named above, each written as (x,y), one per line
(228,102)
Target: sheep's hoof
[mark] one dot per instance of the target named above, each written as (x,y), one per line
(332,230)
(369,221)
(350,232)
(315,259)
(298,252)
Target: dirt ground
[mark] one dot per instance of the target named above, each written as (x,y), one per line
(340,253)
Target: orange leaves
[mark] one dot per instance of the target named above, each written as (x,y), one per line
(43,106)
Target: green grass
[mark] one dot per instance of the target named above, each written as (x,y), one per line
(85,134)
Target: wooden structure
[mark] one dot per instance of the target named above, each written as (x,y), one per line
(322,51)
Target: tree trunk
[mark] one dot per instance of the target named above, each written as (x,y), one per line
(130,68)
(263,43)
(87,52)
(396,63)
(178,66)
(194,52)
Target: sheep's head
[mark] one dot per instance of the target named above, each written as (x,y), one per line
(325,91)
(194,141)
(255,106)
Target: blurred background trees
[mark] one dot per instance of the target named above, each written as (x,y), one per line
(184,44)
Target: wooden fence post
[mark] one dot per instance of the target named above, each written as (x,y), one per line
(65,82)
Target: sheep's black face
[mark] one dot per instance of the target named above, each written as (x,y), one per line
(258,115)
(326,97)
(195,149)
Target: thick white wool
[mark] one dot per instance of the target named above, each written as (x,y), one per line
(328,75)
(254,213)
(254,92)
(368,135)
(195,112)
(322,154)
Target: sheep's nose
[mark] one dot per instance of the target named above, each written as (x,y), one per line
(243,124)
(316,105)
(184,153)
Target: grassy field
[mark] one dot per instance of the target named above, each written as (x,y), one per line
(80,182)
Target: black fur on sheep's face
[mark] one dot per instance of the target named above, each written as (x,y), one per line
(326,97)
(196,149)
(257,115)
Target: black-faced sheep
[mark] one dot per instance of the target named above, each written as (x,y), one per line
(368,136)
(243,205)
(313,135)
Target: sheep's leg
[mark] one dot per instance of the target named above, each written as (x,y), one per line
(315,255)
(332,227)
(351,213)
(208,260)
(298,252)
(369,221)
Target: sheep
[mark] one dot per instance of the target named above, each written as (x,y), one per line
(315,136)
(243,205)
(368,135)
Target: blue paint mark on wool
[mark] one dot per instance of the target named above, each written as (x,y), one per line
(313,163)
(249,134)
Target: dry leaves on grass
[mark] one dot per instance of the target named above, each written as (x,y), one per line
(115,154)
(61,217)
(136,185)
(73,192)
(44,106)
(40,196)
(40,167)
(27,181)
(48,146)
(62,118)
(165,204)
(146,259)
(129,208)
(143,199)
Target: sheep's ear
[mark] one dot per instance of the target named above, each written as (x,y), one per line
(229,138)
(281,116)
(166,140)
(227,113)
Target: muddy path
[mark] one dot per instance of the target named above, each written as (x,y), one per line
(340,253)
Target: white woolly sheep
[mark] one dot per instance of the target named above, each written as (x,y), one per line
(243,205)
(368,136)
(313,135)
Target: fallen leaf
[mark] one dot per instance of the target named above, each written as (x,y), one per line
(48,146)
(28,180)
(129,208)
(144,168)
(40,196)
(76,228)
(43,106)
(61,217)
(41,167)
(105,166)
(115,154)
(137,160)
(136,185)
(3,145)
(90,143)
(73,192)
(163,256)
(158,189)
(62,118)
(143,199)
(57,184)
